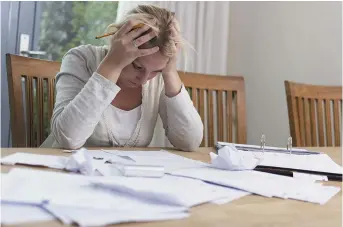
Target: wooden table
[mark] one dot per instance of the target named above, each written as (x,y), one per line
(248,211)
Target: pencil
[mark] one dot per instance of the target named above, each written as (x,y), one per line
(112,33)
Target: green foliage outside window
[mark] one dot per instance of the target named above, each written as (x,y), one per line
(65,25)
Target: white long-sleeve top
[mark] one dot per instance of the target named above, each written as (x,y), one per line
(82,112)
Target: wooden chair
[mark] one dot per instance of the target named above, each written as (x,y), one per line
(315,114)
(31,93)
(220,97)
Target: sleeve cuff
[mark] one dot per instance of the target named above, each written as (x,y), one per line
(105,83)
(180,101)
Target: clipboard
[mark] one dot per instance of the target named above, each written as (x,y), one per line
(288,150)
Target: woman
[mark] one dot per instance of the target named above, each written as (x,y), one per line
(112,96)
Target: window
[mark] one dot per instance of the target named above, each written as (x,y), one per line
(68,24)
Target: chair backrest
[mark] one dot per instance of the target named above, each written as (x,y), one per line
(315,114)
(31,93)
(220,101)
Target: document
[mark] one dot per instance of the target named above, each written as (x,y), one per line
(12,214)
(51,161)
(169,160)
(310,177)
(100,217)
(172,190)
(79,161)
(264,184)
(38,187)
(318,162)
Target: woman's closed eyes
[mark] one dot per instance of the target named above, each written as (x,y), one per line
(137,67)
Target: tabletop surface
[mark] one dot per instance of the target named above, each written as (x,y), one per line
(250,210)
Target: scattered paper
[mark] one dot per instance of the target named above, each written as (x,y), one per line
(170,190)
(12,214)
(317,162)
(311,177)
(38,187)
(230,158)
(81,162)
(167,159)
(51,161)
(100,217)
(265,184)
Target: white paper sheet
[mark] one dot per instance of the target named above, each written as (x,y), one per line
(51,161)
(99,217)
(18,214)
(229,194)
(265,184)
(167,190)
(33,186)
(316,162)
(310,177)
(168,160)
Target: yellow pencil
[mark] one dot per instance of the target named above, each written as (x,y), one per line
(112,33)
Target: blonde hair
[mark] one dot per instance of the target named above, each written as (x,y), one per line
(159,20)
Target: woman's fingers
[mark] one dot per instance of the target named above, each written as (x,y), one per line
(144,52)
(174,33)
(176,36)
(137,32)
(126,28)
(145,38)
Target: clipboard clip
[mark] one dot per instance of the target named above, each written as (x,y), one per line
(263,142)
(289,145)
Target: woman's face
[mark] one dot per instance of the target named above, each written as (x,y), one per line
(142,69)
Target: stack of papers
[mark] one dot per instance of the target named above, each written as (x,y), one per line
(109,197)
(264,184)
(299,159)
(93,201)
(61,191)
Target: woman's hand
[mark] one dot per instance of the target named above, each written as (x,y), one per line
(124,49)
(175,32)
(172,81)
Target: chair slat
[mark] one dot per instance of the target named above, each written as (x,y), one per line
(40,110)
(29,111)
(194,97)
(328,123)
(307,123)
(51,99)
(336,120)
(210,118)
(220,119)
(321,123)
(301,120)
(313,121)
(229,115)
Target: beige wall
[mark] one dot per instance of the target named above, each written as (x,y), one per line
(271,42)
